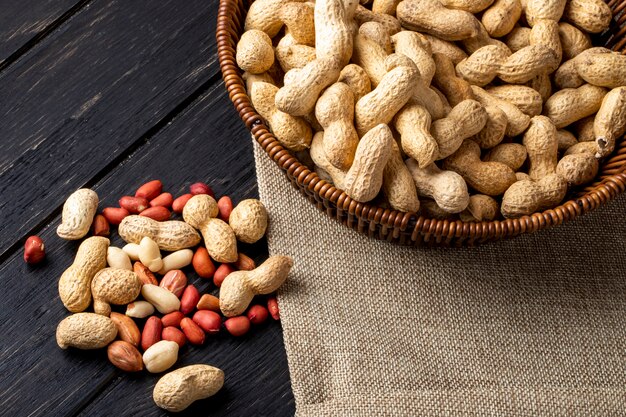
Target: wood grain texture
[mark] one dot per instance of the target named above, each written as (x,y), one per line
(206,142)
(21,23)
(91,90)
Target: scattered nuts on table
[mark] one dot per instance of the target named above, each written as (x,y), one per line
(105,275)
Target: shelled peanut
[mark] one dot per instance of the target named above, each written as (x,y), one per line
(179,309)
(450,81)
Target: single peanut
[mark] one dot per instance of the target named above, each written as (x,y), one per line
(75,283)
(365,177)
(398,184)
(413,123)
(570,105)
(257,314)
(272,307)
(176,390)
(201,188)
(237,326)
(573,40)
(150,190)
(179,203)
(500,18)
(160,298)
(254,52)
(465,120)
(208,302)
(85,331)
(592,16)
(162,200)
(125,356)
(174,335)
(542,146)
(209,321)
(174,281)
(127,330)
(512,155)
(447,188)
(151,333)
(526,197)
(158,213)
(610,122)
(139,309)
(248,220)
(100,226)
(578,169)
(134,205)
(337,122)
(176,260)
(430,16)
(225,207)
(78,213)
(144,274)
(172,319)
(333,34)
(480,208)
(202,263)
(490,178)
(34,250)
(115,215)
(171,235)
(160,356)
(194,333)
(221,273)
(189,299)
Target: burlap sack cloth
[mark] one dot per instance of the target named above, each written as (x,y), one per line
(532,326)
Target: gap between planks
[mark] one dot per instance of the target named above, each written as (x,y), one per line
(41,35)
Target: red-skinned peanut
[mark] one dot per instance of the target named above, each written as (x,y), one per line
(149,190)
(221,273)
(209,321)
(237,326)
(257,314)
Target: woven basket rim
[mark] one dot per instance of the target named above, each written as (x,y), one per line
(610,182)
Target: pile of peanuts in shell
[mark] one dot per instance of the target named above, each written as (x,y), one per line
(105,275)
(454,109)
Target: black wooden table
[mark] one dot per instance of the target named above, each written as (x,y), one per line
(109,94)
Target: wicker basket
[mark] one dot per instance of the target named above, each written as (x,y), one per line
(400,227)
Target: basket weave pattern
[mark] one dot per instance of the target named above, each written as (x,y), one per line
(392,225)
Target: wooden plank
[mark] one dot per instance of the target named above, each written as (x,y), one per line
(73,105)
(206,142)
(23,23)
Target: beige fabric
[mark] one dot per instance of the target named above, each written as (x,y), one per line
(532,326)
